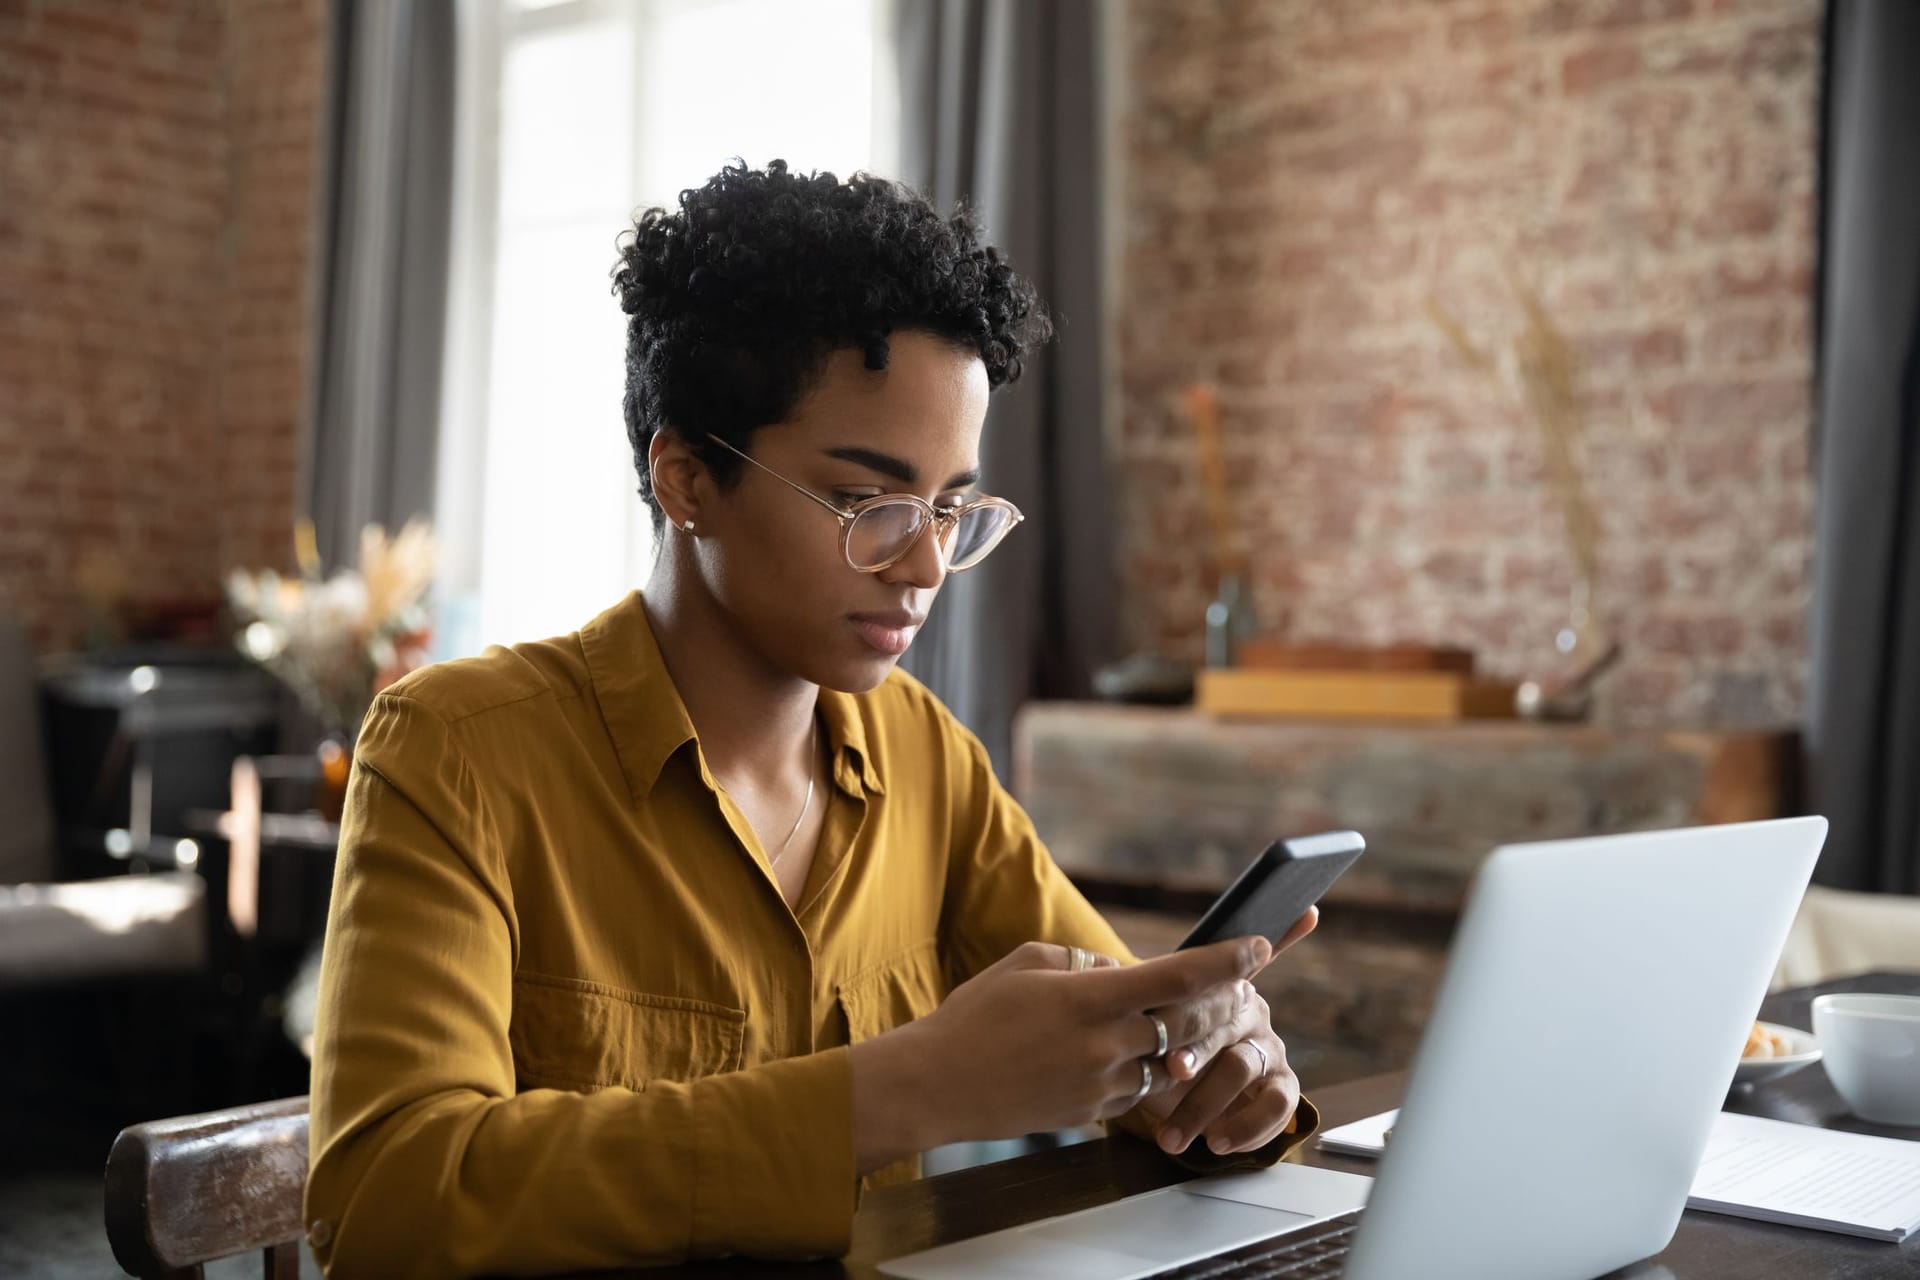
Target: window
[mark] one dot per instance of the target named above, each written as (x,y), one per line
(573,115)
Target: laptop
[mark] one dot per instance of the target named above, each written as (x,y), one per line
(1595,1003)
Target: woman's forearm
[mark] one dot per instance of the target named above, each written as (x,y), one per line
(898,1104)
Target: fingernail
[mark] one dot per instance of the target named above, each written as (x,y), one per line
(1172,1139)
(1218,1144)
(1262,951)
(1187,1060)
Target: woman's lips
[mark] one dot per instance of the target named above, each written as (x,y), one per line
(888,633)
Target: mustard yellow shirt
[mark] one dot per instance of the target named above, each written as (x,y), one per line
(566,1019)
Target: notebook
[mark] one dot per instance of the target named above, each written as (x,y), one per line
(1852,1183)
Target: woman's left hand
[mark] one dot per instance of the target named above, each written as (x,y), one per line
(1239,1097)
(1234,1088)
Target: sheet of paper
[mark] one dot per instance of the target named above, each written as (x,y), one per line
(1361,1138)
(1814,1177)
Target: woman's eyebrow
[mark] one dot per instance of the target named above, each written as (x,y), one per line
(896,468)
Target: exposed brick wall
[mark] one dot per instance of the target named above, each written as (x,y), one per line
(276,70)
(1302,177)
(157,171)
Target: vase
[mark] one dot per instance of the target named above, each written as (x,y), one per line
(1229,621)
(335,754)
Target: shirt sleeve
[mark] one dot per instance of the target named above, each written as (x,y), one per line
(1004,888)
(427,1161)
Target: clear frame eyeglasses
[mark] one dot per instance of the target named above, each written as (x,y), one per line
(877,533)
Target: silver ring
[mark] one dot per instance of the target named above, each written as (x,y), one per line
(1265,1065)
(1146,1082)
(1079,959)
(1160,1031)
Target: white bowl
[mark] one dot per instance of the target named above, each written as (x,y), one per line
(1873,1053)
(1803,1050)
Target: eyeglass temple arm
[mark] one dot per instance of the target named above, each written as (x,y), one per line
(946,515)
(797,488)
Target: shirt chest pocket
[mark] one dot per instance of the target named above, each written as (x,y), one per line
(571,1034)
(877,1000)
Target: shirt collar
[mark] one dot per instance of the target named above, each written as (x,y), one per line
(845,717)
(638,701)
(648,722)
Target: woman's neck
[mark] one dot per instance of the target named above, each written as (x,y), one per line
(752,718)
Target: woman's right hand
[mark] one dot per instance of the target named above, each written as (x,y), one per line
(1027,1046)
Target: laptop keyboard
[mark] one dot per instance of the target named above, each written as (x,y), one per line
(1309,1254)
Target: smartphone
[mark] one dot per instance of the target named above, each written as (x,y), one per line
(1277,888)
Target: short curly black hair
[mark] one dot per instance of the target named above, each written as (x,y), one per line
(736,299)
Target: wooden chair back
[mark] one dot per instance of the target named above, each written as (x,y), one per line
(186,1191)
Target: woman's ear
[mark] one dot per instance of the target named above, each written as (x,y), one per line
(679,478)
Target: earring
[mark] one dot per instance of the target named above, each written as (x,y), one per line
(688,526)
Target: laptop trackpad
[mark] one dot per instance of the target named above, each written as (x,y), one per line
(1173,1227)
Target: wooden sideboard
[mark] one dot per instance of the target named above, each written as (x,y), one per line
(1177,800)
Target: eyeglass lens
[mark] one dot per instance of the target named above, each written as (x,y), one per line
(882,534)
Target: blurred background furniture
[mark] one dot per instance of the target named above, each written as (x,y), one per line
(1839,932)
(193,1189)
(136,737)
(146,965)
(1172,800)
(271,856)
(101,975)
(55,932)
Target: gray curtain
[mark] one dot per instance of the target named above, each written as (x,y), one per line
(1000,108)
(385,213)
(1863,717)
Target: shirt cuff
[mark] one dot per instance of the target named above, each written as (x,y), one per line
(1305,1121)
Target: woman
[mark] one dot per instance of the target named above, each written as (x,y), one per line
(660,939)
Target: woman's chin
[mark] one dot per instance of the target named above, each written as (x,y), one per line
(859,674)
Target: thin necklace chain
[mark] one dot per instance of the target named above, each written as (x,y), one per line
(813,761)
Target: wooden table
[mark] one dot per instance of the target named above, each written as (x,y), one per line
(903,1219)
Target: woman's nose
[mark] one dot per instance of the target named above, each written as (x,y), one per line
(925,564)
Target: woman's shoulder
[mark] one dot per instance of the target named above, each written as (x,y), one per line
(502,676)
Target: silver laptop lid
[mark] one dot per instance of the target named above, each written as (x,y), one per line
(1593,1010)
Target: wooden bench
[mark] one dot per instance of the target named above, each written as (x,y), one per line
(185,1191)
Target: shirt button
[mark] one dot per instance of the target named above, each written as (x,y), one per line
(320,1234)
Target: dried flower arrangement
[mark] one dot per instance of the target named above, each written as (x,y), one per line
(1545,380)
(337,641)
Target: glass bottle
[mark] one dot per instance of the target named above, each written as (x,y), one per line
(1229,621)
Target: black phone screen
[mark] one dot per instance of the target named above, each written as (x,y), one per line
(1277,888)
